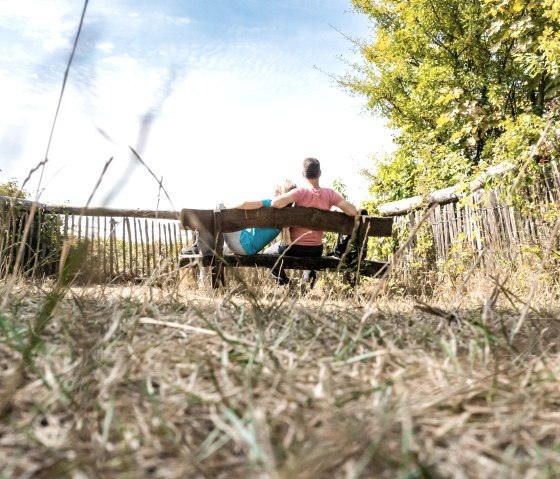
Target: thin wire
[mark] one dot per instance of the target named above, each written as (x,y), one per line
(60,97)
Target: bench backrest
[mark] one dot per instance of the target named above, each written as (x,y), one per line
(228,220)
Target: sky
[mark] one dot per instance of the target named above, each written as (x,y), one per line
(221,99)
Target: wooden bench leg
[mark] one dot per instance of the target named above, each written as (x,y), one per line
(218,276)
(351,278)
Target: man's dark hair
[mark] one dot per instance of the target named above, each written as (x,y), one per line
(311,168)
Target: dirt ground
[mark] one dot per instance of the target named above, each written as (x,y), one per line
(130,381)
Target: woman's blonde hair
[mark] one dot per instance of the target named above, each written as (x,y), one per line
(288,185)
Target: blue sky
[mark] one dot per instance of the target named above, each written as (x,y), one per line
(222,98)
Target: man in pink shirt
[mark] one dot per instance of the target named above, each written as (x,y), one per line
(305,242)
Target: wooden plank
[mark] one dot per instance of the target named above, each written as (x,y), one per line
(445,230)
(115,249)
(148,253)
(180,236)
(111,247)
(92,211)
(155,259)
(86,234)
(446,195)
(160,242)
(178,247)
(142,251)
(217,268)
(128,231)
(123,226)
(367,267)
(40,247)
(134,221)
(436,229)
(460,224)
(104,247)
(98,239)
(236,219)
(361,230)
(168,244)
(202,220)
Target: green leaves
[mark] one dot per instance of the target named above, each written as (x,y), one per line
(12,190)
(449,75)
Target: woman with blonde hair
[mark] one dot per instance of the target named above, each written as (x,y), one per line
(252,240)
(248,241)
(245,242)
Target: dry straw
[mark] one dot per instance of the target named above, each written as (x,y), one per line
(263,382)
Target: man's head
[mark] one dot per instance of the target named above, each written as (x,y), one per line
(311,168)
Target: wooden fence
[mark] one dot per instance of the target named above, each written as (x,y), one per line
(484,223)
(119,244)
(480,224)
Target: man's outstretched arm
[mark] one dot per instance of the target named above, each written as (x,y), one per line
(347,208)
(282,200)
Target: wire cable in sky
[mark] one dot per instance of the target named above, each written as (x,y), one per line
(61,95)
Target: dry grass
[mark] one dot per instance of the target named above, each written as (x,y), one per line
(261,383)
(257,382)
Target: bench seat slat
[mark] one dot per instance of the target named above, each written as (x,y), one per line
(367,267)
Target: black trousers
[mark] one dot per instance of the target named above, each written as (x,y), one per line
(301,251)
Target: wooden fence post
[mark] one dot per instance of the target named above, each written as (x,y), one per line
(111,246)
(217,268)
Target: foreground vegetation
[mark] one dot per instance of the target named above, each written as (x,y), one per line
(258,382)
(135,381)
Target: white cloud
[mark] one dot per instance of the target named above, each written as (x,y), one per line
(39,19)
(180,21)
(56,43)
(240,116)
(106,47)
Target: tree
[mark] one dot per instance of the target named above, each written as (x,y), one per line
(12,190)
(449,75)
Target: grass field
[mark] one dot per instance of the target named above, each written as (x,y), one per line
(262,382)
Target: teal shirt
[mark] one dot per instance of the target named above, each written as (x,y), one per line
(255,239)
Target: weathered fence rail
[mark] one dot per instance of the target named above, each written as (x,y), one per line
(119,244)
(478,219)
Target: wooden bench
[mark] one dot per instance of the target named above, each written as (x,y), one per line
(216,222)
